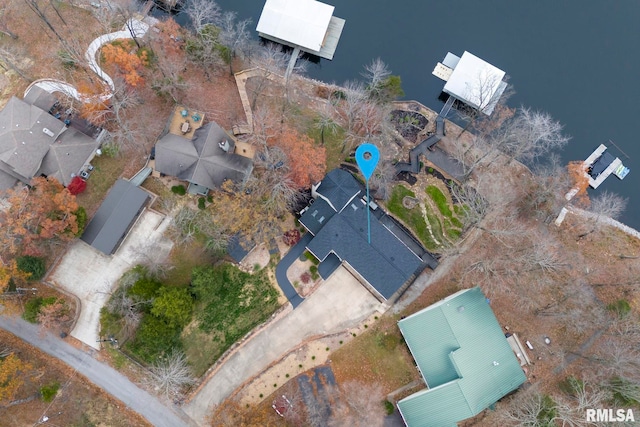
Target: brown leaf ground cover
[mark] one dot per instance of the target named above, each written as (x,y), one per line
(77,402)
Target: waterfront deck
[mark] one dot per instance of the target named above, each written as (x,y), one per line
(595,183)
(615,167)
(597,153)
(442,72)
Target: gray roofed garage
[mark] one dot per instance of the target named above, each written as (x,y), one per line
(115,216)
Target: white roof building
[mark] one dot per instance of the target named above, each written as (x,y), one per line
(306,24)
(472,81)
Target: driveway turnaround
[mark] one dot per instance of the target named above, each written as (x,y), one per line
(338,304)
(281,270)
(99,374)
(91,275)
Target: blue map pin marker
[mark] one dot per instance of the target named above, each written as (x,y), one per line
(367,156)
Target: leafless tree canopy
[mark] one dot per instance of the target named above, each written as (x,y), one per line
(529,135)
(607,204)
(171,375)
(202,12)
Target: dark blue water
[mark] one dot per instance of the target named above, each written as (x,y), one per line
(577,60)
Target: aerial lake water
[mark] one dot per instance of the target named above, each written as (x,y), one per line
(576,60)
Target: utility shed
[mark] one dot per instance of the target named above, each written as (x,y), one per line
(305,24)
(464,358)
(115,217)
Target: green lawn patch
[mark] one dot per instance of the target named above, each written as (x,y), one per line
(440,200)
(229,304)
(412,218)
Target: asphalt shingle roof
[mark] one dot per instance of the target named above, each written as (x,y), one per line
(201,160)
(28,149)
(116,215)
(23,141)
(386,264)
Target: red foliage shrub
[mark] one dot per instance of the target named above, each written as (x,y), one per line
(291,237)
(305,277)
(77,185)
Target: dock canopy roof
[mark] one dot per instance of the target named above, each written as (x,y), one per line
(475,82)
(464,358)
(302,23)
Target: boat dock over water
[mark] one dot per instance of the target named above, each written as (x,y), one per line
(600,164)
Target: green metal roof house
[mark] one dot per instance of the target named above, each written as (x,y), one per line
(464,358)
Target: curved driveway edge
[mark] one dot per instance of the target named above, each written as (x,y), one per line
(284,264)
(103,376)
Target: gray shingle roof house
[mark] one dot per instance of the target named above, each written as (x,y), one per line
(115,217)
(34,143)
(464,358)
(206,160)
(338,221)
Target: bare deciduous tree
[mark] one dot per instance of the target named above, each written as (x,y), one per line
(476,206)
(189,223)
(235,36)
(608,204)
(171,375)
(604,205)
(583,395)
(528,136)
(526,408)
(202,13)
(10,56)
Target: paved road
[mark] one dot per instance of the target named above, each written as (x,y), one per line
(283,266)
(99,374)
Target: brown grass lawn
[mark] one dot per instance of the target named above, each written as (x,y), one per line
(77,403)
(183,258)
(379,355)
(106,171)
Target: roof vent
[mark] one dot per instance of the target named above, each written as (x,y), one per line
(460,309)
(495,363)
(224,145)
(355,208)
(321,219)
(48,132)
